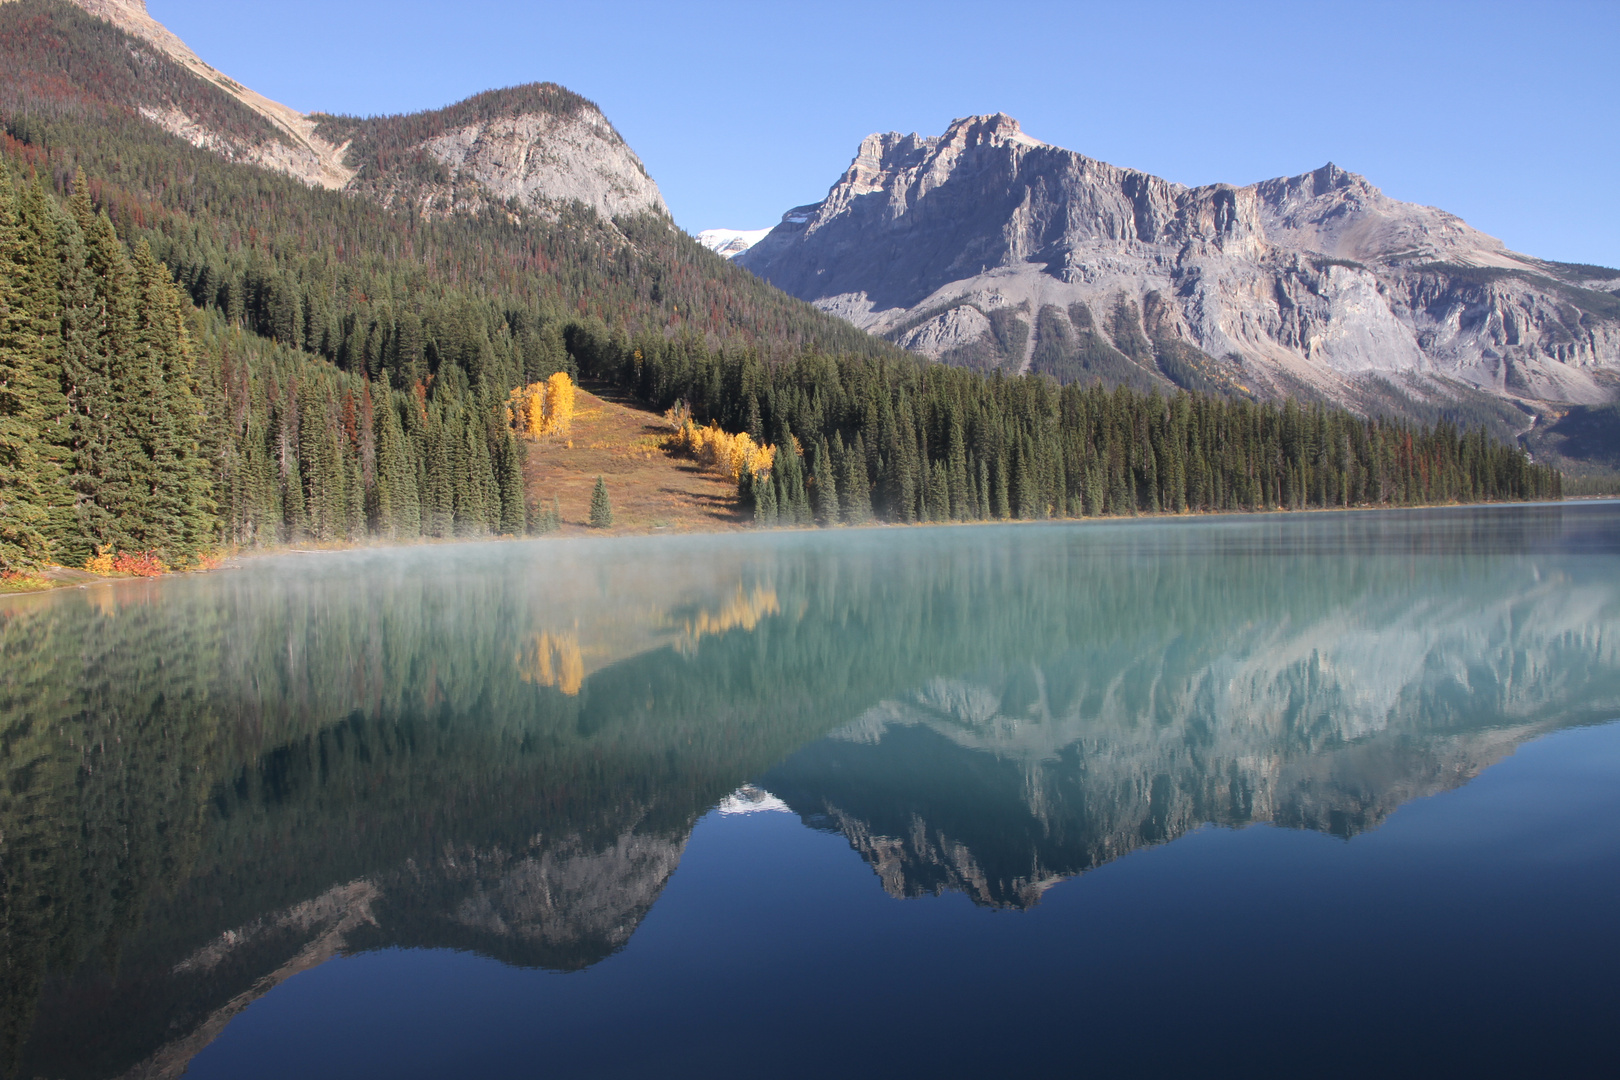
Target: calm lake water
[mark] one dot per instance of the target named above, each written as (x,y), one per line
(1300,795)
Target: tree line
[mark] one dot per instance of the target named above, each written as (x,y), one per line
(860,438)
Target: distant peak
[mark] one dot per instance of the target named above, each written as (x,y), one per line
(1332,178)
(997,129)
(729,243)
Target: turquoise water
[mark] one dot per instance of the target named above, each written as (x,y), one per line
(1304,794)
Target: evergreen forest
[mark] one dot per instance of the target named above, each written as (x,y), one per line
(197,354)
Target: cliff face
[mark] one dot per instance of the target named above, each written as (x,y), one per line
(539,146)
(1317,283)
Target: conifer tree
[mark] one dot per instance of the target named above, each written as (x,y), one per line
(514,511)
(178,511)
(764,496)
(119,469)
(956,465)
(601,507)
(24,485)
(438,511)
(824,485)
(854,487)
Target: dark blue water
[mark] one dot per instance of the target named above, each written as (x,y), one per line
(1331,795)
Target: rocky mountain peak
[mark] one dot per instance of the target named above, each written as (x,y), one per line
(991,129)
(983,246)
(539,144)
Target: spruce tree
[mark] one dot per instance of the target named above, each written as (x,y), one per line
(438,511)
(514,509)
(179,512)
(479,512)
(854,486)
(601,507)
(25,508)
(824,485)
(956,464)
(118,465)
(1001,497)
(939,492)
(764,494)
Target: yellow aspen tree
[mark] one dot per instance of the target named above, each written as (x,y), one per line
(731,455)
(559,405)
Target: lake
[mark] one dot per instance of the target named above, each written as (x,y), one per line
(1324,795)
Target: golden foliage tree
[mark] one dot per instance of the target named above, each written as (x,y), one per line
(543,409)
(731,455)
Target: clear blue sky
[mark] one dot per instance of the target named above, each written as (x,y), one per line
(1503,113)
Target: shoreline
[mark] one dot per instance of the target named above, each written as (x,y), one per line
(58,578)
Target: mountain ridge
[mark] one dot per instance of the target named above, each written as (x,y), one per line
(1316,283)
(298,152)
(539,144)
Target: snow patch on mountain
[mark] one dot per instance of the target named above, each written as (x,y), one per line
(730,242)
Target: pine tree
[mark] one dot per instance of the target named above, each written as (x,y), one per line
(514,511)
(178,511)
(956,465)
(764,495)
(824,486)
(438,511)
(601,507)
(24,496)
(853,485)
(399,512)
(119,469)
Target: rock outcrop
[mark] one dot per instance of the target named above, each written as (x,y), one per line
(1317,284)
(533,147)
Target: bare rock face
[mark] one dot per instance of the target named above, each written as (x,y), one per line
(1317,283)
(537,146)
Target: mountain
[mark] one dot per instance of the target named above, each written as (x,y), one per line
(283,139)
(533,146)
(536,144)
(989,248)
(730,242)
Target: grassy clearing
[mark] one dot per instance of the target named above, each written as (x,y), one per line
(652,489)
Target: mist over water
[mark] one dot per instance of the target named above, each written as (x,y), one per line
(453,810)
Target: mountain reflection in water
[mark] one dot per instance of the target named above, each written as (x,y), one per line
(214,783)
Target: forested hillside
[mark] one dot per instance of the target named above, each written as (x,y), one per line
(903,440)
(332,369)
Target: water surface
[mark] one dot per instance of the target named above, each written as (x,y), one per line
(1303,794)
